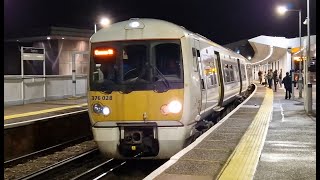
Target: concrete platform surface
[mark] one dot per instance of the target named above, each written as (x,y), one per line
(280,143)
(19,113)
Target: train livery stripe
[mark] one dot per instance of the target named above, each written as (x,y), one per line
(136,105)
(244,160)
(43,111)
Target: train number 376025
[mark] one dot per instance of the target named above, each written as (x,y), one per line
(98,98)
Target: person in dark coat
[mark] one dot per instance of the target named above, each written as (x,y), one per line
(260,77)
(287,85)
(270,76)
(275,80)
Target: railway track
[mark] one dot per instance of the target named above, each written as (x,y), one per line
(25,137)
(58,169)
(43,152)
(102,169)
(92,165)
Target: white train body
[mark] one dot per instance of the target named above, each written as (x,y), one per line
(209,79)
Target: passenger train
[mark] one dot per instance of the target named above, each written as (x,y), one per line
(152,84)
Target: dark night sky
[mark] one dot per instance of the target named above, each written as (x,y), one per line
(223,21)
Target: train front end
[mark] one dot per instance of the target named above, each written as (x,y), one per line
(136,95)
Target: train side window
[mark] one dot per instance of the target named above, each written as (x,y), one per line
(211,79)
(231,73)
(195,54)
(243,72)
(226,73)
(236,70)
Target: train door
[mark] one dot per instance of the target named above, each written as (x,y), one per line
(238,62)
(203,86)
(220,77)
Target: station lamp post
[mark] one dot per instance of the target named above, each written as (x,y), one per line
(308,85)
(282,10)
(103,22)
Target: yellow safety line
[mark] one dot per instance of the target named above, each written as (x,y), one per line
(43,111)
(244,159)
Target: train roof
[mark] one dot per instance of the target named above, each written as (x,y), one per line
(152,29)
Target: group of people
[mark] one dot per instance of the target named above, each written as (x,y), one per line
(272,77)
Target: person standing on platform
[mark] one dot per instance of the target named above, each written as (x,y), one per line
(287,85)
(280,78)
(270,78)
(260,77)
(265,79)
(275,80)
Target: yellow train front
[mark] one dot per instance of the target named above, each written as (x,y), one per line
(146,88)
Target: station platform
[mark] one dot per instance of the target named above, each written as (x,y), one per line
(43,110)
(265,137)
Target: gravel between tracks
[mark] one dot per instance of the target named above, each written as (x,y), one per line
(41,162)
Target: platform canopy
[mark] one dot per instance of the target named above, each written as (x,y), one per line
(268,49)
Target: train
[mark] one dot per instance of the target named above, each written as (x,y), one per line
(153,85)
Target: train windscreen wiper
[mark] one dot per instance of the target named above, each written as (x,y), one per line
(165,81)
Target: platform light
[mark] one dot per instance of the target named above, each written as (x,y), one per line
(282,9)
(104,22)
(62,38)
(48,38)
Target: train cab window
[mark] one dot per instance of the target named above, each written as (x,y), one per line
(136,65)
(133,61)
(168,60)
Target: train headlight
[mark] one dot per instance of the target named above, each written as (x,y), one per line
(106,111)
(173,107)
(97,108)
(134,24)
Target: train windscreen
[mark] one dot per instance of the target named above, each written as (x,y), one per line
(128,66)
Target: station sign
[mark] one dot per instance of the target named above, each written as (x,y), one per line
(31,53)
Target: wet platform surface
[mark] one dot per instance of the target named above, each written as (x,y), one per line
(290,147)
(268,137)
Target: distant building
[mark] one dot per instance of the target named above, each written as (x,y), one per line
(59,43)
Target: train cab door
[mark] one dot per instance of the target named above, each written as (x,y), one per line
(220,78)
(203,87)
